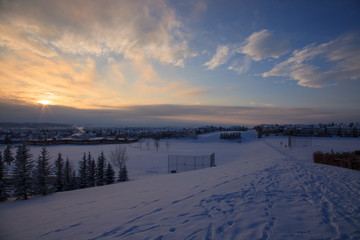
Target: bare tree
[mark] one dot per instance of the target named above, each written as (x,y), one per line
(156,144)
(119,157)
(167,144)
(148,144)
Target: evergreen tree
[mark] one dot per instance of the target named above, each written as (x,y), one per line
(67,176)
(42,172)
(59,172)
(73,183)
(83,172)
(100,170)
(123,174)
(91,170)
(3,193)
(8,156)
(109,174)
(23,181)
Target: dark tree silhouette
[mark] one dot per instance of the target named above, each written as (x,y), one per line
(8,156)
(42,172)
(83,172)
(59,172)
(67,176)
(22,173)
(109,174)
(100,170)
(91,170)
(123,175)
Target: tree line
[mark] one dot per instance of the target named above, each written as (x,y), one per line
(233,135)
(22,177)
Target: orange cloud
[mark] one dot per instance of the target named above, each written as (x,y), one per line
(91,54)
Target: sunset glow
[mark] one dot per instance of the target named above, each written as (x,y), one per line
(119,55)
(44,102)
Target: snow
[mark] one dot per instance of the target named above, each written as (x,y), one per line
(258,190)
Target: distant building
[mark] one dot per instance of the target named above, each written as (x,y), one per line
(304,130)
(270,129)
(332,130)
(81,136)
(347,131)
(318,131)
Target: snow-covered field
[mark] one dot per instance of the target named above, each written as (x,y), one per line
(258,190)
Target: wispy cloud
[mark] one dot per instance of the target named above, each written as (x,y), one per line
(265,44)
(130,28)
(241,66)
(91,54)
(221,57)
(340,63)
(192,92)
(259,45)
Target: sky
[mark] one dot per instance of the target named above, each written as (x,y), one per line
(191,62)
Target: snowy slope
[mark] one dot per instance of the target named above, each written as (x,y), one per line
(259,190)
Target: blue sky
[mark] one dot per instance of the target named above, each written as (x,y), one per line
(185,62)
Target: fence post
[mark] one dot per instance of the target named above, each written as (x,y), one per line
(212,160)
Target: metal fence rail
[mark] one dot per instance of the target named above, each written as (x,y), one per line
(183,163)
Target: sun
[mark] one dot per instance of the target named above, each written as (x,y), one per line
(44,102)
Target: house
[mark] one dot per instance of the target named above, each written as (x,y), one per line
(318,131)
(270,129)
(347,131)
(332,130)
(304,130)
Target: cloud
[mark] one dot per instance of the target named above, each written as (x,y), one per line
(92,54)
(192,92)
(172,115)
(20,37)
(241,67)
(264,44)
(337,61)
(81,83)
(130,28)
(221,56)
(262,104)
(70,82)
(260,45)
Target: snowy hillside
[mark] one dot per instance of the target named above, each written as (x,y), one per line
(259,190)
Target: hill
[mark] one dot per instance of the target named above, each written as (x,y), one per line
(266,192)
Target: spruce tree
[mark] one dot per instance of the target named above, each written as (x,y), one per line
(59,172)
(100,170)
(8,156)
(123,174)
(3,193)
(83,172)
(67,176)
(73,183)
(91,170)
(22,173)
(109,174)
(92,173)
(42,172)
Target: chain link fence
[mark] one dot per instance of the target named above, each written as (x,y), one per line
(183,163)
